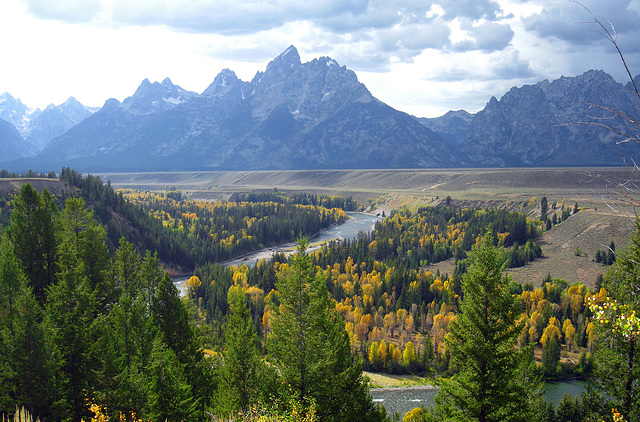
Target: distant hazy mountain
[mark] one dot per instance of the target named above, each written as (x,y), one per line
(53,121)
(13,111)
(38,127)
(291,116)
(453,126)
(554,123)
(11,143)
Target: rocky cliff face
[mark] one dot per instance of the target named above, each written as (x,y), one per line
(557,123)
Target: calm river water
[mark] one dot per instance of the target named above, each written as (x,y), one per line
(347,230)
(402,400)
(350,229)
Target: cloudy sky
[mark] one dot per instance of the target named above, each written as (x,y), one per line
(423,57)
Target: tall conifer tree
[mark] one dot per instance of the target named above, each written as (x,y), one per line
(71,309)
(172,320)
(77,226)
(170,397)
(239,377)
(26,349)
(32,232)
(310,347)
(494,382)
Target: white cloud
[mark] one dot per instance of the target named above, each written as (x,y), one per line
(413,54)
(487,36)
(568,21)
(72,11)
(476,9)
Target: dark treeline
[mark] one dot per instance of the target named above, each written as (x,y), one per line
(434,234)
(608,256)
(188,233)
(347,204)
(5,209)
(5,174)
(123,219)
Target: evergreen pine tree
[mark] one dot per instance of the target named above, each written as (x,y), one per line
(125,269)
(12,280)
(544,207)
(71,309)
(27,353)
(172,320)
(569,410)
(493,382)
(120,361)
(428,354)
(32,232)
(170,397)
(239,376)
(551,356)
(34,360)
(310,348)
(77,225)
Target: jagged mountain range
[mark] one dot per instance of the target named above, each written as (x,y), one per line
(317,115)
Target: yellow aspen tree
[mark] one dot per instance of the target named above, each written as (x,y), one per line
(360,331)
(409,354)
(401,314)
(552,330)
(397,354)
(392,348)
(357,314)
(389,323)
(533,334)
(375,335)
(194,282)
(374,355)
(408,323)
(591,335)
(569,331)
(383,351)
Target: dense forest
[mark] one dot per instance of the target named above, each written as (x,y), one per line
(92,327)
(223,230)
(391,303)
(86,333)
(187,233)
